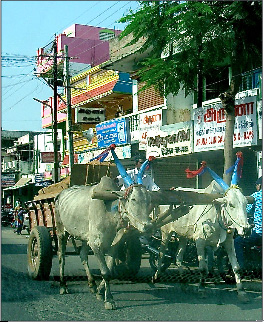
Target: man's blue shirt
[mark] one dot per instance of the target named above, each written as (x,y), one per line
(256,208)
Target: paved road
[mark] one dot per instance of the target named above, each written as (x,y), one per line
(26,300)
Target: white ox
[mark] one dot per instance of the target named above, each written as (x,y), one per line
(99,223)
(211,225)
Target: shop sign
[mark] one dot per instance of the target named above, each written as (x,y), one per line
(115,131)
(7,180)
(259,114)
(210,123)
(48,157)
(142,123)
(122,152)
(44,183)
(177,140)
(89,115)
(39,177)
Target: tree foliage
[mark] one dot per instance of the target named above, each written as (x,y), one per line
(195,38)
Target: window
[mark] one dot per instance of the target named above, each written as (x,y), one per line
(106,34)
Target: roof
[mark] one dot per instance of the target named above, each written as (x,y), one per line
(21,183)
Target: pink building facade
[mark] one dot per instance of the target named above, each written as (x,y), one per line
(86,44)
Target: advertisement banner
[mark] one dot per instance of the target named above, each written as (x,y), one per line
(142,123)
(48,157)
(122,152)
(8,180)
(113,132)
(210,123)
(170,141)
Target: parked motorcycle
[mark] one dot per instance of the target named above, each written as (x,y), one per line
(7,217)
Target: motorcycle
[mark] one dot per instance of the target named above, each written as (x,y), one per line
(151,245)
(7,217)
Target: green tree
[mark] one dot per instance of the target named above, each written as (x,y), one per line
(190,40)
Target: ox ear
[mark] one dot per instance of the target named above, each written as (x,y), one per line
(221,201)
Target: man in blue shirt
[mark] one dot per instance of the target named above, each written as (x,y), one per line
(255,239)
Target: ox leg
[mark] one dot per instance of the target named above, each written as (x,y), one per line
(200,246)
(230,249)
(84,259)
(62,242)
(106,274)
(180,251)
(162,250)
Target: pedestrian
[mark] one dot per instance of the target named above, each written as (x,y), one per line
(255,239)
(20,220)
(146,179)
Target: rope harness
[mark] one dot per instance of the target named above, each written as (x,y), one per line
(123,211)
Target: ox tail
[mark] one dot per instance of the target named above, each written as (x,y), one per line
(127,179)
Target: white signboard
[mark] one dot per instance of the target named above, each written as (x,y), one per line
(89,115)
(177,140)
(210,122)
(142,123)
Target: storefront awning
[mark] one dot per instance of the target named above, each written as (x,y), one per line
(21,183)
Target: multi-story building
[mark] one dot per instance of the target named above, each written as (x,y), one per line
(181,135)
(27,164)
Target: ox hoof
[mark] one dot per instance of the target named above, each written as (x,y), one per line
(153,280)
(110,305)
(92,289)
(242,297)
(63,291)
(100,297)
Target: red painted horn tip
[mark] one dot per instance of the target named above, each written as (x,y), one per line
(151,158)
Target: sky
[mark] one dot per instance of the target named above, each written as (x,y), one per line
(29,25)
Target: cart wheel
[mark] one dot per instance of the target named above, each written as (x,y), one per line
(129,257)
(39,253)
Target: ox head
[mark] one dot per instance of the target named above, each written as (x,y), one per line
(233,210)
(135,204)
(233,205)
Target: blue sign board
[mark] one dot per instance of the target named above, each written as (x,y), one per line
(115,131)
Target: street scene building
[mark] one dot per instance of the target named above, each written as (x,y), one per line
(105,91)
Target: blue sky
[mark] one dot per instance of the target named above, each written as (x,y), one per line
(28,25)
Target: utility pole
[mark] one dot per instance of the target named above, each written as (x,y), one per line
(55,122)
(69,112)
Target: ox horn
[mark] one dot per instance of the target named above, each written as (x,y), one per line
(239,161)
(127,180)
(218,179)
(142,170)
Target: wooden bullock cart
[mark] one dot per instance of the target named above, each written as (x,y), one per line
(42,244)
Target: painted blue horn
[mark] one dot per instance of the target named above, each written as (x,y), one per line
(127,180)
(142,169)
(141,172)
(237,169)
(218,179)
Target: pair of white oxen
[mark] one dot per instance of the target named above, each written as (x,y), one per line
(98,223)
